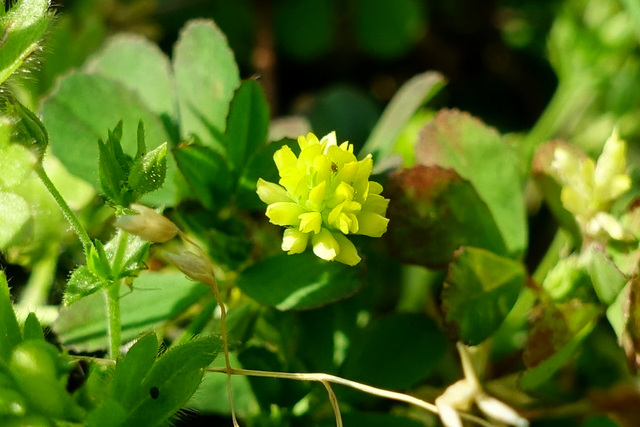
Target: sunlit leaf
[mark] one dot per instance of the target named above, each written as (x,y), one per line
(404,104)
(478,154)
(299,281)
(206,78)
(156,298)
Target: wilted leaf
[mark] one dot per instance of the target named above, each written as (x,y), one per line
(433,212)
(556,333)
(478,154)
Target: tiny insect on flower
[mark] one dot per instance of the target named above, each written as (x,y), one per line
(323,195)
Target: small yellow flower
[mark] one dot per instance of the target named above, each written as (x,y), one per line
(324,194)
(590,188)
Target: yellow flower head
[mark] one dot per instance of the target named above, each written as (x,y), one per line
(590,188)
(324,194)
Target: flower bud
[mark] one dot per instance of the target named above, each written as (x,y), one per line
(194,266)
(147,224)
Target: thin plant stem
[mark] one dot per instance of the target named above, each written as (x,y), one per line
(334,403)
(66,210)
(210,280)
(375,391)
(112,295)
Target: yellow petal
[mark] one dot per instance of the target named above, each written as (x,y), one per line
(376,203)
(284,159)
(344,191)
(310,222)
(284,213)
(348,253)
(372,224)
(294,241)
(325,246)
(270,192)
(317,196)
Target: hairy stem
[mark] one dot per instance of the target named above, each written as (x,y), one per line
(112,295)
(66,210)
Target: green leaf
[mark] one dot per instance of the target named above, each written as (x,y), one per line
(82,283)
(21,29)
(207,173)
(140,66)
(13,157)
(10,335)
(479,291)
(226,239)
(32,329)
(131,370)
(15,217)
(148,173)
(607,279)
(395,352)
(248,124)
(155,299)
(111,170)
(299,281)
(477,153)
(206,78)
(404,104)
(79,111)
(212,395)
(433,212)
(172,380)
(555,335)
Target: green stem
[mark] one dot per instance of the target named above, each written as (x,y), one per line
(112,294)
(66,210)
(116,265)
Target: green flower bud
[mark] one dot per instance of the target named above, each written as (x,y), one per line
(28,130)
